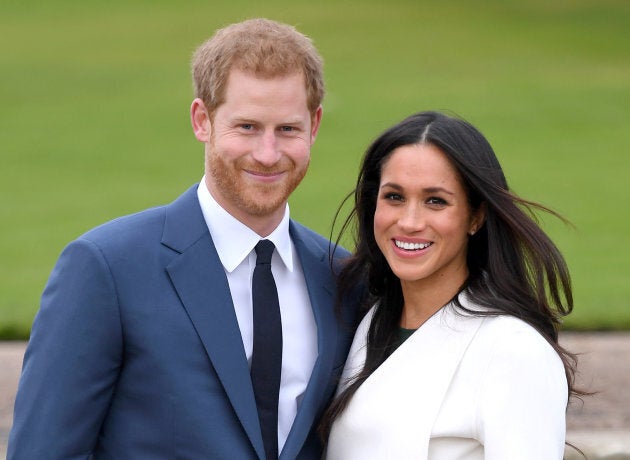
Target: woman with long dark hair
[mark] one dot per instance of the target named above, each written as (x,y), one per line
(458,355)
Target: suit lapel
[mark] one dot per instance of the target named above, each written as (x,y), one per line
(321,290)
(201,283)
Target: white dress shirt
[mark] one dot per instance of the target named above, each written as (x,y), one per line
(235,243)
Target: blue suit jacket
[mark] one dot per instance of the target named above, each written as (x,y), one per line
(136,352)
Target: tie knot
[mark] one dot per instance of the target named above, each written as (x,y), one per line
(264,250)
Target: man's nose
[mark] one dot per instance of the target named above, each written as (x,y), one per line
(267,152)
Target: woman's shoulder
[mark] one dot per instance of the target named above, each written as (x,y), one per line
(507,341)
(506,330)
(510,329)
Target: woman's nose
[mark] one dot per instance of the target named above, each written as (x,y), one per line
(412,219)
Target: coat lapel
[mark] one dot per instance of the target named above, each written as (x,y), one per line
(201,283)
(321,290)
(391,416)
(432,356)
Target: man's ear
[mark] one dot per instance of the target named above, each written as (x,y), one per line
(315,122)
(200,120)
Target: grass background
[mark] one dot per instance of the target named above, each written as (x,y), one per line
(95,97)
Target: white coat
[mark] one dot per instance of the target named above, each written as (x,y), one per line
(461,387)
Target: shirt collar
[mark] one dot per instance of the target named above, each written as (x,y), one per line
(234,240)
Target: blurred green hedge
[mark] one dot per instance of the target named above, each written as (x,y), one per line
(94,117)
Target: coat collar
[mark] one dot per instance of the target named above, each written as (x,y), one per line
(431,356)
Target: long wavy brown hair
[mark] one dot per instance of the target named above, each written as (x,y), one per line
(514,267)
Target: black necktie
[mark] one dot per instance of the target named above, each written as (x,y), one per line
(267,350)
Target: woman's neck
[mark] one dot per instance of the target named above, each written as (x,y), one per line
(421,301)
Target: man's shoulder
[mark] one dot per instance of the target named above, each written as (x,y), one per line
(136,228)
(314,240)
(127,225)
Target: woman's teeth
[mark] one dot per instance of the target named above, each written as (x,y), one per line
(411,246)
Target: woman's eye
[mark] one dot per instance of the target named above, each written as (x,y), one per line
(393,196)
(435,201)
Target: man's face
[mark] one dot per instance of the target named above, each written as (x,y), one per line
(259,146)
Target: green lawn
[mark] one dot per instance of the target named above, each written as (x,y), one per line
(95,96)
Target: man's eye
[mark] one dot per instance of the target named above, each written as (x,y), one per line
(247,126)
(287,129)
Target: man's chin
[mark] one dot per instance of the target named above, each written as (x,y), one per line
(262,208)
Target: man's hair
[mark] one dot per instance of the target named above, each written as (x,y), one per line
(260,47)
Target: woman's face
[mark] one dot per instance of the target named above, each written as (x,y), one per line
(422,219)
